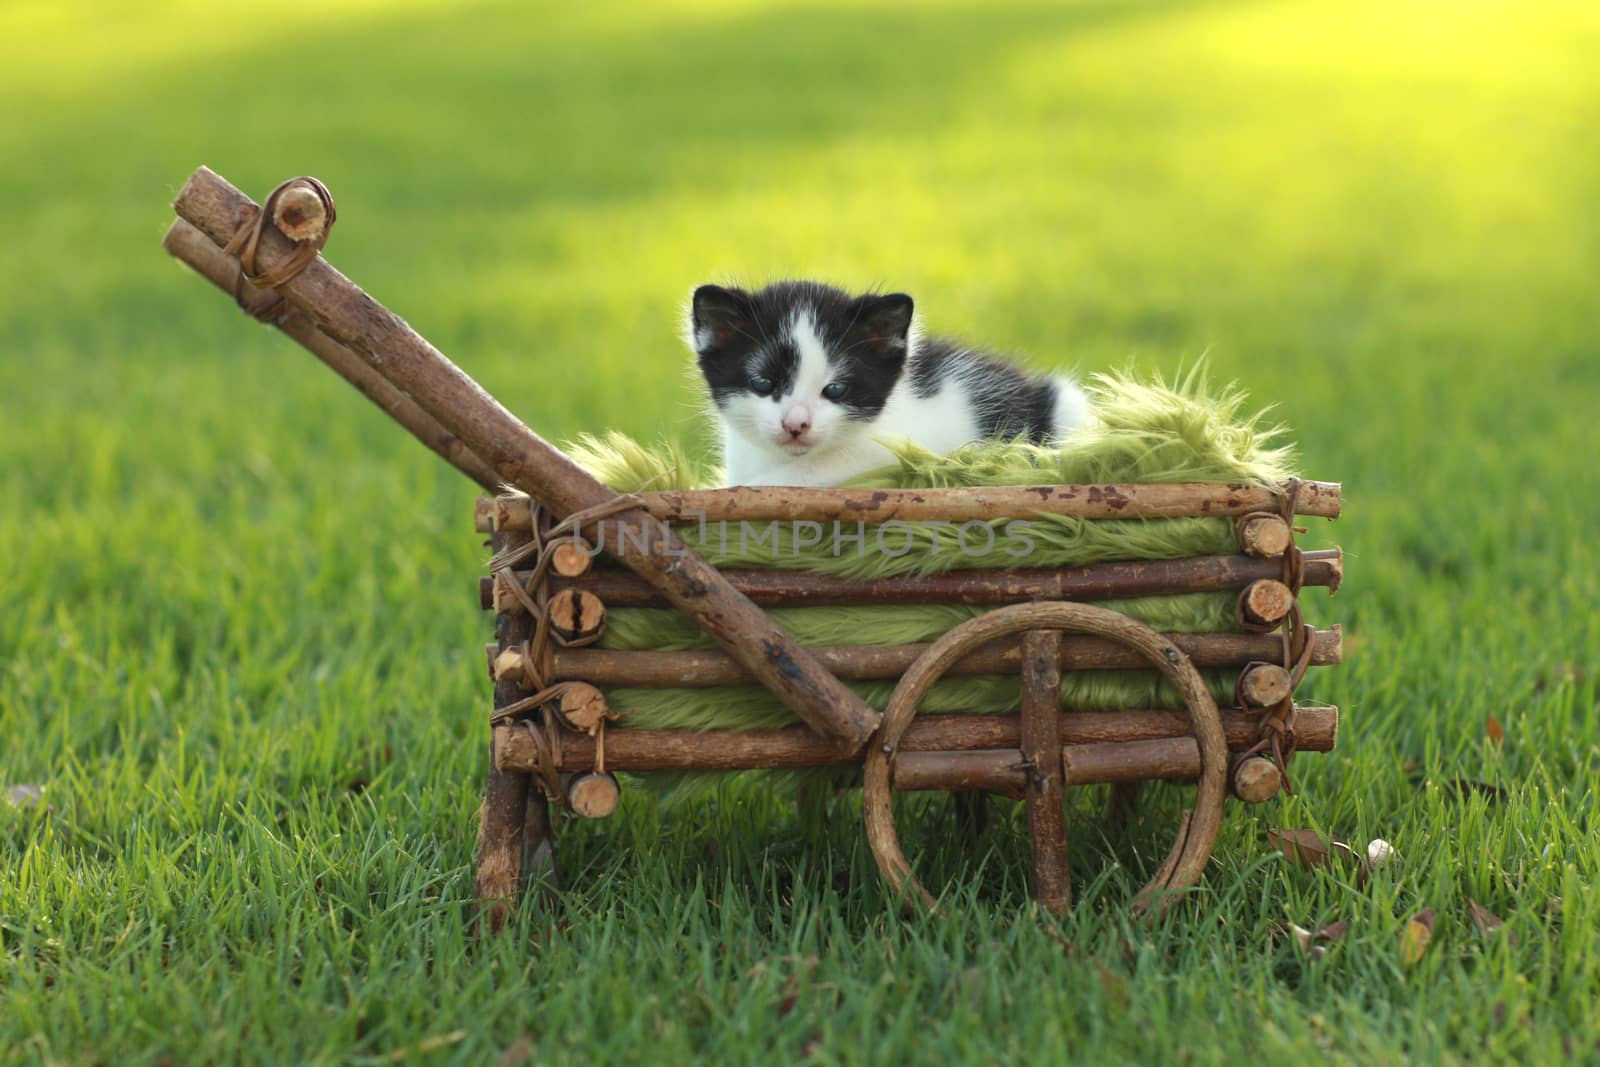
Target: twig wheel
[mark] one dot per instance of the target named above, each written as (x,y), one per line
(1198,832)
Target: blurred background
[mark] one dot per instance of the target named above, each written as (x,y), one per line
(230,585)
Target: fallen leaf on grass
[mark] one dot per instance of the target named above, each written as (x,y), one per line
(1309,941)
(1484,921)
(792,984)
(1496,732)
(1306,848)
(1415,937)
(517,1053)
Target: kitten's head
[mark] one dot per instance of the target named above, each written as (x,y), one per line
(796,367)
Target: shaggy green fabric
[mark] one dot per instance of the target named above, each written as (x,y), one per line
(1145,432)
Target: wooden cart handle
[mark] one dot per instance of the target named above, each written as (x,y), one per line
(525,460)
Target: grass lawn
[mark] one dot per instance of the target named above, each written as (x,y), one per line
(239,644)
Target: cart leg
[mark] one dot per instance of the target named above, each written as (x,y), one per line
(1041,750)
(515,845)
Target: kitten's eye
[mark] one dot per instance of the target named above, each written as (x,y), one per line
(835,390)
(760,384)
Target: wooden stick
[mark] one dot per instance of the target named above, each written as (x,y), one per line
(784,503)
(1264,536)
(1099,581)
(1262,685)
(576,615)
(583,708)
(1001,771)
(525,460)
(513,826)
(1041,741)
(793,747)
(299,213)
(1257,780)
(1265,602)
(570,559)
(702,669)
(593,795)
(191,247)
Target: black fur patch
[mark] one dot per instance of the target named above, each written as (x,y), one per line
(748,334)
(1006,401)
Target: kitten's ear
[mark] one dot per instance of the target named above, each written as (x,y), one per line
(886,321)
(716,316)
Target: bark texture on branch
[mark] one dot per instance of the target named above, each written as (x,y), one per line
(193,248)
(702,669)
(525,460)
(1041,745)
(514,839)
(1124,501)
(1001,771)
(795,747)
(1098,581)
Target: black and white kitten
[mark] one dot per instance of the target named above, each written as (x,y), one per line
(808,380)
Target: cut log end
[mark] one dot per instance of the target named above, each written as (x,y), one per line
(1264,536)
(511,666)
(512,513)
(571,559)
(1262,685)
(583,707)
(300,214)
(501,597)
(483,515)
(1257,780)
(593,795)
(576,615)
(1265,602)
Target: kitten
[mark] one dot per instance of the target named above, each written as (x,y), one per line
(807,380)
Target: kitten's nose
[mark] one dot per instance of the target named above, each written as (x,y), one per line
(797,420)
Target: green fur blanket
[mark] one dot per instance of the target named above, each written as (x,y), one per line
(1141,432)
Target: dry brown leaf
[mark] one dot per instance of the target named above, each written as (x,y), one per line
(1353,859)
(1308,849)
(791,985)
(517,1053)
(1485,921)
(1497,733)
(1415,937)
(1302,937)
(1303,848)
(1332,931)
